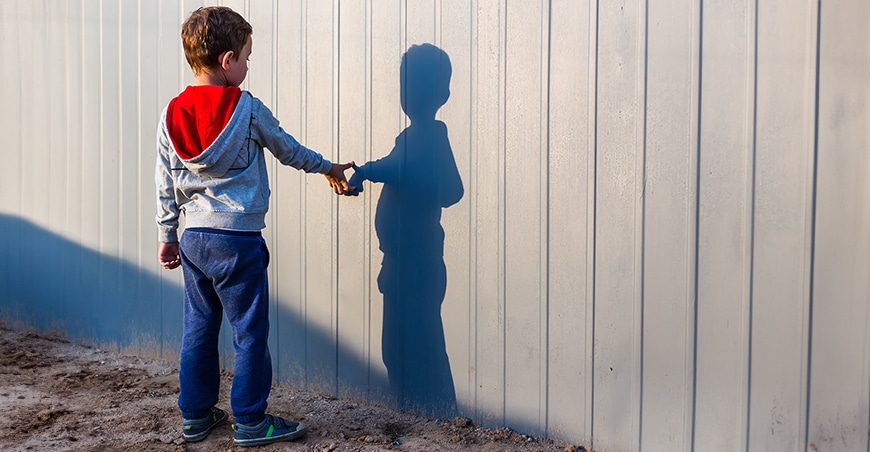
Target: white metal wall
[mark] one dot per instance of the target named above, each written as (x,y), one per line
(663,241)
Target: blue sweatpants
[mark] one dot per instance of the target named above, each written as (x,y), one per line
(225,271)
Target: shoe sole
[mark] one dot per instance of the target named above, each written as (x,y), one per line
(262,441)
(201,435)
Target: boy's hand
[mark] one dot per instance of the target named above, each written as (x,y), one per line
(337,181)
(168,255)
(356,181)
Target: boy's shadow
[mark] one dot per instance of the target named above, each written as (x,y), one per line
(420,178)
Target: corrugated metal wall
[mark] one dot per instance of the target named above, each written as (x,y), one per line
(663,238)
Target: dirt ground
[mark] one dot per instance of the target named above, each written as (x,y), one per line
(57,395)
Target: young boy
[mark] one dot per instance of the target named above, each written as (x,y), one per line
(211,167)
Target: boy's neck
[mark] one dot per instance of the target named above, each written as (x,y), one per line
(423,120)
(209,78)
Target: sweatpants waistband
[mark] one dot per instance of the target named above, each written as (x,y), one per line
(226,232)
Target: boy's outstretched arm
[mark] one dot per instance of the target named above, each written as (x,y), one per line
(338,181)
(356,181)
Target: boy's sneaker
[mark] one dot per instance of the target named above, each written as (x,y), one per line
(270,430)
(197,429)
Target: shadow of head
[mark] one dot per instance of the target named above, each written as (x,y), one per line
(425,81)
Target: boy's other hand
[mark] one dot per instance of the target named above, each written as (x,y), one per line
(168,255)
(338,181)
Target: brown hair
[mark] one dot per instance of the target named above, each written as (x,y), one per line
(211,31)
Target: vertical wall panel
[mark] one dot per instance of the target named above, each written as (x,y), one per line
(90,147)
(591,200)
(11,124)
(149,109)
(724,225)
(525,164)
(128,147)
(488,197)
(34,189)
(387,121)
(109,160)
(353,302)
(32,193)
(56,152)
(454,37)
(419,21)
(669,220)
(617,236)
(11,117)
(784,102)
(319,204)
(73,96)
(570,99)
(128,163)
(661,241)
(72,192)
(838,398)
(55,121)
(286,244)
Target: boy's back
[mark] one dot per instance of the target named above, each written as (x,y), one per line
(211,143)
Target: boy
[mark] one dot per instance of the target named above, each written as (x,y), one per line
(211,167)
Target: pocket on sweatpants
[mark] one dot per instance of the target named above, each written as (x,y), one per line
(266,255)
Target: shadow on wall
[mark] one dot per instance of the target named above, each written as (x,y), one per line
(54,284)
(51,283)
(420,178)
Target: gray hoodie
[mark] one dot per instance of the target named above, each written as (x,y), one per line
(226,186)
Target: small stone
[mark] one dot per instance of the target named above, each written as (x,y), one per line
(461,422)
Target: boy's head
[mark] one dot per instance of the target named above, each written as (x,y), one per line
(425,81)
(210,33)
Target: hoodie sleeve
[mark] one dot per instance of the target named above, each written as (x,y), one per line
(167,209)
(267,131)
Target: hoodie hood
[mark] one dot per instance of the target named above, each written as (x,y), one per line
(203,124)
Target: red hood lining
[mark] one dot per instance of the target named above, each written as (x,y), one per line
(198,115)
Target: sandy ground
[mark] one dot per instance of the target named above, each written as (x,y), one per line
(61,396)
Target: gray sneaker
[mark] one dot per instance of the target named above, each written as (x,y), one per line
(197,429)
(270,430)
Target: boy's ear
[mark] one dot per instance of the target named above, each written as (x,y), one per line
(225,58)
